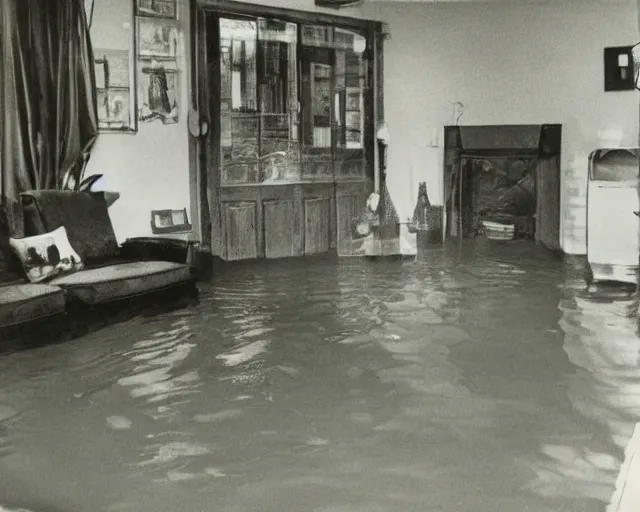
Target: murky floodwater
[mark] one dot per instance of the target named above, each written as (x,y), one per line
(475,381)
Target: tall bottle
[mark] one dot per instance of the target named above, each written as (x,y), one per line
(420,219)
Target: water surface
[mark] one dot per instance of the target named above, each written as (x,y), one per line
(482,378)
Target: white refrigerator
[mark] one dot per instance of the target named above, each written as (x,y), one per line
(613,225)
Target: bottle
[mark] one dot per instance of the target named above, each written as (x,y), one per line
(419,221)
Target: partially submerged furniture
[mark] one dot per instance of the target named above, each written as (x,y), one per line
(22,303)
(142,268)
(613,246)
(111,271)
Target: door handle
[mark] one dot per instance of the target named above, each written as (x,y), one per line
(637,214)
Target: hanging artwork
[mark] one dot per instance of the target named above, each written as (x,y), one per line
(157,8)
(158,94)
(115,83)
(157,38)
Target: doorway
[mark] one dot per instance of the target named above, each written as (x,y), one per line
(290,158)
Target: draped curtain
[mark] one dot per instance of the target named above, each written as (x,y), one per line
(48,96)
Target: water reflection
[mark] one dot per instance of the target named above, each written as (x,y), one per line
(471,380)
(601,342)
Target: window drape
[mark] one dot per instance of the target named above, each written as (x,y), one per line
(47,96)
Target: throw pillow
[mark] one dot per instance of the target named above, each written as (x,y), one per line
(46,256)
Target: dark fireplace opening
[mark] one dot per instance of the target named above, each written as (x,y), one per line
(505,176)
(500,190)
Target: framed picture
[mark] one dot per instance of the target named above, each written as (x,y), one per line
(158,92)
(157,8)
(115,89)
(169,221)
(157,38)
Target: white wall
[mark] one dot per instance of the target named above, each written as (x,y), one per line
(150,169)
(509,63)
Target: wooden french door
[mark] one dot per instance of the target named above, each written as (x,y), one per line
(289,166)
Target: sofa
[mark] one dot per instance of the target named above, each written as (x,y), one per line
(110,274)
(21,302)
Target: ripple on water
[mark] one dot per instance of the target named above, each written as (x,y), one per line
(354,385)
(243,354)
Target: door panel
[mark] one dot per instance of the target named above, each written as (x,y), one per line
(292,118)
(317,222)
(350,202)
(239,220)
(279,229)
(348,208)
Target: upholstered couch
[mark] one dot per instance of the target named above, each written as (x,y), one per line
(21,302)
(111,273)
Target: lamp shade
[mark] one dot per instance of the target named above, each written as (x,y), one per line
(635,52)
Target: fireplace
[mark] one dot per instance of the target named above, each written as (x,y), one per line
(508,174)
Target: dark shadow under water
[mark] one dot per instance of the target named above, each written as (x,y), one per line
(483,377)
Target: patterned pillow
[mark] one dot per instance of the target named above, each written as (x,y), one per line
(46,256)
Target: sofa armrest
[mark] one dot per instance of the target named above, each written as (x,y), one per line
(158,249)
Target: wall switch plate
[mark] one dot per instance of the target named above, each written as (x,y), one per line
(618,69)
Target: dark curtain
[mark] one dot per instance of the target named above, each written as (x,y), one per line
(48,94)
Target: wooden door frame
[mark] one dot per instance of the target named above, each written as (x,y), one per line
(204,154)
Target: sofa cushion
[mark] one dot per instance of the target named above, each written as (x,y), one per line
(21,303)
(84,215)
(46,256)
(96,285)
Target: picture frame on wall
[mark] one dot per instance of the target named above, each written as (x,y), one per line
(115,90)
(157,38)
(157,8)
(159,93)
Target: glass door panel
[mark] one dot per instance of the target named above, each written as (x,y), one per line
(239,118)
(317,102)
(350,82)
(278,93)
(292,102)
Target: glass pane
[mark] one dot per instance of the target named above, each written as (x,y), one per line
(317,102)
(350,80)
(239,119)
(320,36)
(279,129)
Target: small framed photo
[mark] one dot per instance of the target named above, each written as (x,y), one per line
(169,221)
(157,8)
(158,93)
(157,38)
(115,90)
